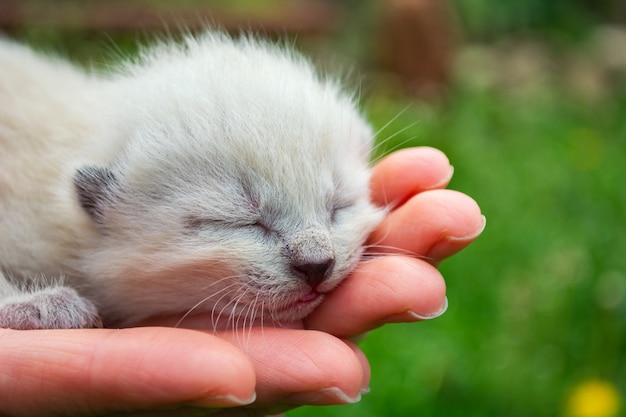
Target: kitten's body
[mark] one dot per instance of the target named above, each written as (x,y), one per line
(216,170)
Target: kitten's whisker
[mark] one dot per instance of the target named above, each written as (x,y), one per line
(215,320)
(262,318)
(370,257)
(237,317)
(377,148)
(393,119)
(230,311)
(205,299)
(252,316)
(226,278)
(376,151)
(392,250)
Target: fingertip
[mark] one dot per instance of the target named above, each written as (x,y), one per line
(305,367)
(433,225)
(200,369)
(367,371)
(383,290)
(343,373)
(407,172)
(466,225)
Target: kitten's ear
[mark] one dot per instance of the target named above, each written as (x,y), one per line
(96,188)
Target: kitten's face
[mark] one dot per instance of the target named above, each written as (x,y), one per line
(262,235)
(251,206)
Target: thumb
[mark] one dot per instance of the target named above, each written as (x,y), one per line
(95,371)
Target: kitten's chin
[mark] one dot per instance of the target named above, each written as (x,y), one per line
(288,313)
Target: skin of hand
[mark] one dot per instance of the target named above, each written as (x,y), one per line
(164,371)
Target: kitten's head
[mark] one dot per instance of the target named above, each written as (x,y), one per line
(242,189)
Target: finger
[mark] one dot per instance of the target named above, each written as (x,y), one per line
(96,371)
(407,172)
(384,290)
(297,367)
(434,224)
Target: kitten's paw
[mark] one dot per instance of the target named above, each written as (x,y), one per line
(48,308)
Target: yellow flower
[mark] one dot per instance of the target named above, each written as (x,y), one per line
(594,398)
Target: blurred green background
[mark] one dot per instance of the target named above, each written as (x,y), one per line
(531,110)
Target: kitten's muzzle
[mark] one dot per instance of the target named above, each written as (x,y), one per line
(311,255)
(313,273)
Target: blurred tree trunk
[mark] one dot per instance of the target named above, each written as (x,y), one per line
(418,43)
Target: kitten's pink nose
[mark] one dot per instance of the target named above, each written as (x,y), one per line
(314,273)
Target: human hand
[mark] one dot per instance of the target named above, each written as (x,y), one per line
(179,372)
(426,224)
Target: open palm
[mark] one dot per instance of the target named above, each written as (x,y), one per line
(159,370)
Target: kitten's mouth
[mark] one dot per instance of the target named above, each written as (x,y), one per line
(312,296)
(299,308)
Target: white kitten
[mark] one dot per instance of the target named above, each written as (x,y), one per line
(215,175)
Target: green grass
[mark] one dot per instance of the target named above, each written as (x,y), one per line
(538,303)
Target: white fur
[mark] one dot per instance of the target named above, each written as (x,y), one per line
(231,160)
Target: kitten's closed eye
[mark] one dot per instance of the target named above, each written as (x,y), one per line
(264,227)
(338,209)
(198,223)
(195,223)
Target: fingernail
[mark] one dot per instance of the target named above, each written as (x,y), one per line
(470,236)
(443,248)
(434,315)
(224,401)
(324,396)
